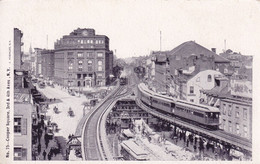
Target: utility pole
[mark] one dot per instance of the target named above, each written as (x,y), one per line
(225,45)
(160,41)
(47,43)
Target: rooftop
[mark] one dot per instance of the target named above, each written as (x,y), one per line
(189,48)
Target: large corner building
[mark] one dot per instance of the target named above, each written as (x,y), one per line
(82,59)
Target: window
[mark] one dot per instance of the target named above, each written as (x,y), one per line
(100,54)
(245,113)
(88,41)
(229,110)
(17,153)
(99,68)
(90,68)
(100,62)
(17,125)
(89,54)
(99,75)
(230,126)
(224,124)
(191,100)
(245,131)
(209,78)
(224,109)
(70,54)
(191,89)
(237,128)
(80,54)
(237,114)
(90,62)
(70,65)
(80,62)
(96,41)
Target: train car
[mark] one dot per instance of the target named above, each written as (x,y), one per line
(202,114)
(197,113)
(131,151)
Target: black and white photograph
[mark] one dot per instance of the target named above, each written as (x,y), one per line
(113,80)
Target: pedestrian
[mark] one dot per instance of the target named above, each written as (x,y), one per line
(49,156)
(195,148)
(39,148)
(44,155)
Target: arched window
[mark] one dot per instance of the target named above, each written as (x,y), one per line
(209,78)
(90,62)
(100,62)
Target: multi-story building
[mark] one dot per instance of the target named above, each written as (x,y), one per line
(38,61)
(174,69)
(236,109)
(47,67)
(18,48)
(237,59)
(82,59)
(22,117)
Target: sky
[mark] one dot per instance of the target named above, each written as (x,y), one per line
(134,26)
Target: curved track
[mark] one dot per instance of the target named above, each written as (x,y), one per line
(92,144)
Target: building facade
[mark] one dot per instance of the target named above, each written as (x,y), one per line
(18,48)
(82,59)
(47,64)
(38,61)
(22,117)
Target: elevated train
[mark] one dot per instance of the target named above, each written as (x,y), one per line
(202,115)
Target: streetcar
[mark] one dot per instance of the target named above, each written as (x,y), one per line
(202,115)
(130,150)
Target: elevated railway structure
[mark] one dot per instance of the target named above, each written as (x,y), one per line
(93,147)
(220,136)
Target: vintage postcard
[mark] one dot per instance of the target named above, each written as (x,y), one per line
(123,81)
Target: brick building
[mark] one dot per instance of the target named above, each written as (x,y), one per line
(173,69)
(82,59)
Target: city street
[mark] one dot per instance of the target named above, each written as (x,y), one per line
(66,124)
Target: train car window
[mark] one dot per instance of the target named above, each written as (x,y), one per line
(172,105)
(198,114)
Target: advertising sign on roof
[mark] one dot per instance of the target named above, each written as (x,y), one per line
(241,88)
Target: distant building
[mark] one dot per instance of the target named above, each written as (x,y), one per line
(237,59)
(173,68)
(18,49)
(47,64)
(38,61)
(82,59)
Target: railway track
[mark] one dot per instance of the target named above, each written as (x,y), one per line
(93,148)
(220,135)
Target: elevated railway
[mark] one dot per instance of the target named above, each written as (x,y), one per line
(218,135)
(92,145)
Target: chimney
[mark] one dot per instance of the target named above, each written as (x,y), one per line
(213,50)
